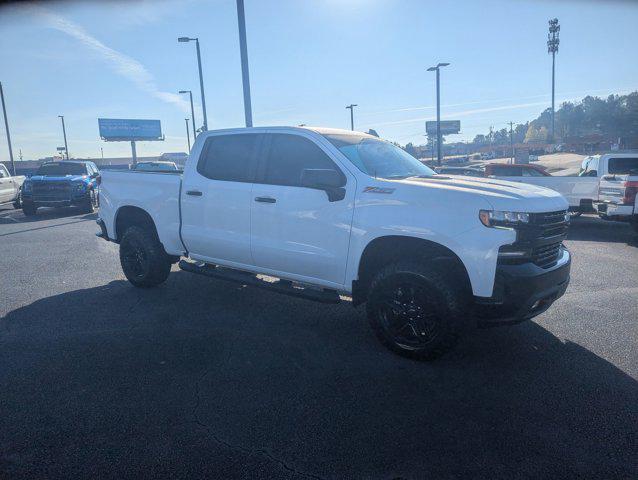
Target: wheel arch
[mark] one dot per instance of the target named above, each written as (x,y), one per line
(383,250)
(129,215)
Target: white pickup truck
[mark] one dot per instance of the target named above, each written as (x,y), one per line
(618,190)
(10,187)
(329,213)
(581,191)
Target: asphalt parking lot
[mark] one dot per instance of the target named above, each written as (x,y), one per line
(204,379)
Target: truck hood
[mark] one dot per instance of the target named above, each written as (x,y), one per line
(67,178)
(500,194)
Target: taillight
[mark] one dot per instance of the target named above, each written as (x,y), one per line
(631,189)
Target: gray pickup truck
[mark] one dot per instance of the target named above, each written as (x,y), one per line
(10,187)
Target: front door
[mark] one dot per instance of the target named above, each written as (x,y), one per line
(216,200)
(298,231)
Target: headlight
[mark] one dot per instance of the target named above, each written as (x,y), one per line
(497,218)
(27,187)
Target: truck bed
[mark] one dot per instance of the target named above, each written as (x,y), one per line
(154,192)
(575,189)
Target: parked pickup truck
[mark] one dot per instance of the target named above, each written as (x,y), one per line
(580,191)
(334,212)
(61,184)
(10,187)
(618,189)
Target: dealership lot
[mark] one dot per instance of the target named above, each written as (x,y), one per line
(201,378)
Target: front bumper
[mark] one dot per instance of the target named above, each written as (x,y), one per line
(523,291)
(74,201)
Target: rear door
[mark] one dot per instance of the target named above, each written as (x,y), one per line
(216,199)
(298,231)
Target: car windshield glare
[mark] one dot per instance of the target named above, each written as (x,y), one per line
(61,169)
(378,158)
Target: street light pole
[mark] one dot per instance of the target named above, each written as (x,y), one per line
(190,94)
(243,50)
(437,68)
(6,127)
(201,78)
(553,41)
(188,135)
(511,124)
(66,146)
(351,108)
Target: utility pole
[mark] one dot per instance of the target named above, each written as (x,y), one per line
(437,68)
(102,153)
(351,108)
(553,41)
(511,124)
(66,146)
(491,138)
(188,135)
(6,126)
(243,50)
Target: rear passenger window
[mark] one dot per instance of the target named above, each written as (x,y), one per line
(289,156)
(229,157)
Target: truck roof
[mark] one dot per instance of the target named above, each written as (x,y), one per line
(319,130)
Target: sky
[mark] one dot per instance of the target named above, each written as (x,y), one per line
(308,60)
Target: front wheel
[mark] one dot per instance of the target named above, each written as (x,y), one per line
(415,310)
(143,259)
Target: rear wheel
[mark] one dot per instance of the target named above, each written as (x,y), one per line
(415,310)
(143,259)
(29,209)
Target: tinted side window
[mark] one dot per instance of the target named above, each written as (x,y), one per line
(623,166)
(289,156)
(507,171)
(3,172)
(229,157)
(530,172)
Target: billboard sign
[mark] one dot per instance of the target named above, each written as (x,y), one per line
(448,127)
(117,129)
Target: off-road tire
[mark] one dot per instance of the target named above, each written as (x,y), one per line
(142,257)
(29,209)
(446,302)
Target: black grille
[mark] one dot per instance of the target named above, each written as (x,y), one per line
(51,191)
(547,255)
(541,238)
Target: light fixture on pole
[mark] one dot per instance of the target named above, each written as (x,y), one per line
(553,41)
(188,135)
(190,94)
(437,69)
(201,77)
(351,108)
(6,126)
(66,146)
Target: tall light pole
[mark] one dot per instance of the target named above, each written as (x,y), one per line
(437,68)
(553,41)
(351,108)
(201,77)
(190,94)
(511,124)
(188,135)
(66,146)
(243,50)
(6,127)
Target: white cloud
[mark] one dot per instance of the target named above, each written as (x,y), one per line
(122,64)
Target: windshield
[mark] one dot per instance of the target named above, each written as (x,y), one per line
(378,158)
(61,169)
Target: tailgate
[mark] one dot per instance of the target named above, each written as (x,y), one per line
(611,189)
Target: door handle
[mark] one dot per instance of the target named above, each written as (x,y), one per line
(194,193)
(265,200)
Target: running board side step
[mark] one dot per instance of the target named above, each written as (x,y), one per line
(285,287)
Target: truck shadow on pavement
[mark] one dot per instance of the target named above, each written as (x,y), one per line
(594,229)
(16,216)
(202,378)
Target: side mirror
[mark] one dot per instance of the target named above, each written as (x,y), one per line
(329,180)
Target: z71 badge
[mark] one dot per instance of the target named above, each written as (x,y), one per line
(378,190)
